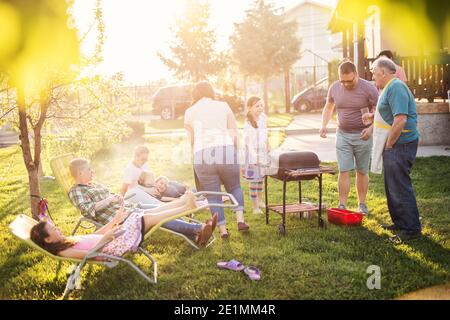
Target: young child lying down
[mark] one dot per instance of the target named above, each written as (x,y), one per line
(160,188)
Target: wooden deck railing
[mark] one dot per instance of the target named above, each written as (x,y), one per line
(428,76)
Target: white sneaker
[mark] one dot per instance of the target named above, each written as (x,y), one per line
(262,205)
(363,209)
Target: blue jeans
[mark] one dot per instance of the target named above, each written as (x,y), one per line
(174,190)
(397,163)
(190,230)
(221,171)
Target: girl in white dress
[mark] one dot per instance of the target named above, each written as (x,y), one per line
(256,150)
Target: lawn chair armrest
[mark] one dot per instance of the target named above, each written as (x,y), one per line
(234,203)
(95,250)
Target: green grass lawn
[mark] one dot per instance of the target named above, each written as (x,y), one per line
(274,120)
(307,263)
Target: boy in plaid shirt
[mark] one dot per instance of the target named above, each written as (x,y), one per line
(98,203)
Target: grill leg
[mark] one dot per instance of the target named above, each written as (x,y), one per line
(283,225)
(266,199)
(321,222)
(299,191)
(300,213)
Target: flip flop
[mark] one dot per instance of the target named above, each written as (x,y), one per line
(233,265)
(253,273)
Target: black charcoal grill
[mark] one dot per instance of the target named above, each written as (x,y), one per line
(296,166)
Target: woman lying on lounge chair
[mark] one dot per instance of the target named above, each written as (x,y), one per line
(126,231)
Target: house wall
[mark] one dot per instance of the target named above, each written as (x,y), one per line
(386,30)
(372,26)
(406,41)
(433,123)
(312,22)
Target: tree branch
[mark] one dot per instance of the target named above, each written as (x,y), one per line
(6,113)
(30,120)
(72,118)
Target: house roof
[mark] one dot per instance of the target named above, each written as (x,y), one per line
(346,13)
(305,2)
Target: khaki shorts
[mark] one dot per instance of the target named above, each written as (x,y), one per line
(350,149)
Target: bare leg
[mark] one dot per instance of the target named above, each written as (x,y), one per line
(362,185)
(255,203)
(343,186)
(151,219)
(223,229)
(173,204)
(260,199)
(240,216)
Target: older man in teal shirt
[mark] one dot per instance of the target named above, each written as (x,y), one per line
(397,107)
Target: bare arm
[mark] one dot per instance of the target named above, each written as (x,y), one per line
(167,199)
(87,205)
(124,189)
(327,113)
(232,129)
(80,254)
(396,130)
(190,133)
(102,204)
(366,119)
(150,190)
(118,218)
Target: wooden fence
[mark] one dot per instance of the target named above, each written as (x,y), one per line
(428,76)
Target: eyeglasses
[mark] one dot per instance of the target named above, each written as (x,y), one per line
(347,81)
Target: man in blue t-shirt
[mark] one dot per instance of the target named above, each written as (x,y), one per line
(397,107)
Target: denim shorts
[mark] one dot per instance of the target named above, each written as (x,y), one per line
(350,149)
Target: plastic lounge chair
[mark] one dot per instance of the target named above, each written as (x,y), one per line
(60,168)
(21,228)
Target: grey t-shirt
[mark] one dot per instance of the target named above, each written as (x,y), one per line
(350,102)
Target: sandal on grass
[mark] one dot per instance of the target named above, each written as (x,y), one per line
(253,273)
(233,265)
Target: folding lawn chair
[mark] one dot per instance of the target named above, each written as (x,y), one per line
(21,228)
(60,168)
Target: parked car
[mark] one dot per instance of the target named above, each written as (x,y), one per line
(236,103)
(172,101)
(311,98)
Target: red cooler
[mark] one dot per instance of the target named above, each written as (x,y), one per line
(344,217)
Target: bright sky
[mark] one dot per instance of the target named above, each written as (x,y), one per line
(137,29)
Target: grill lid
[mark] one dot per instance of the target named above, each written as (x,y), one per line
(290,159)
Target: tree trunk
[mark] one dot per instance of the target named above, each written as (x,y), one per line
(33,180)
(32,169)
(41,173)
(287,92)
(266,98)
